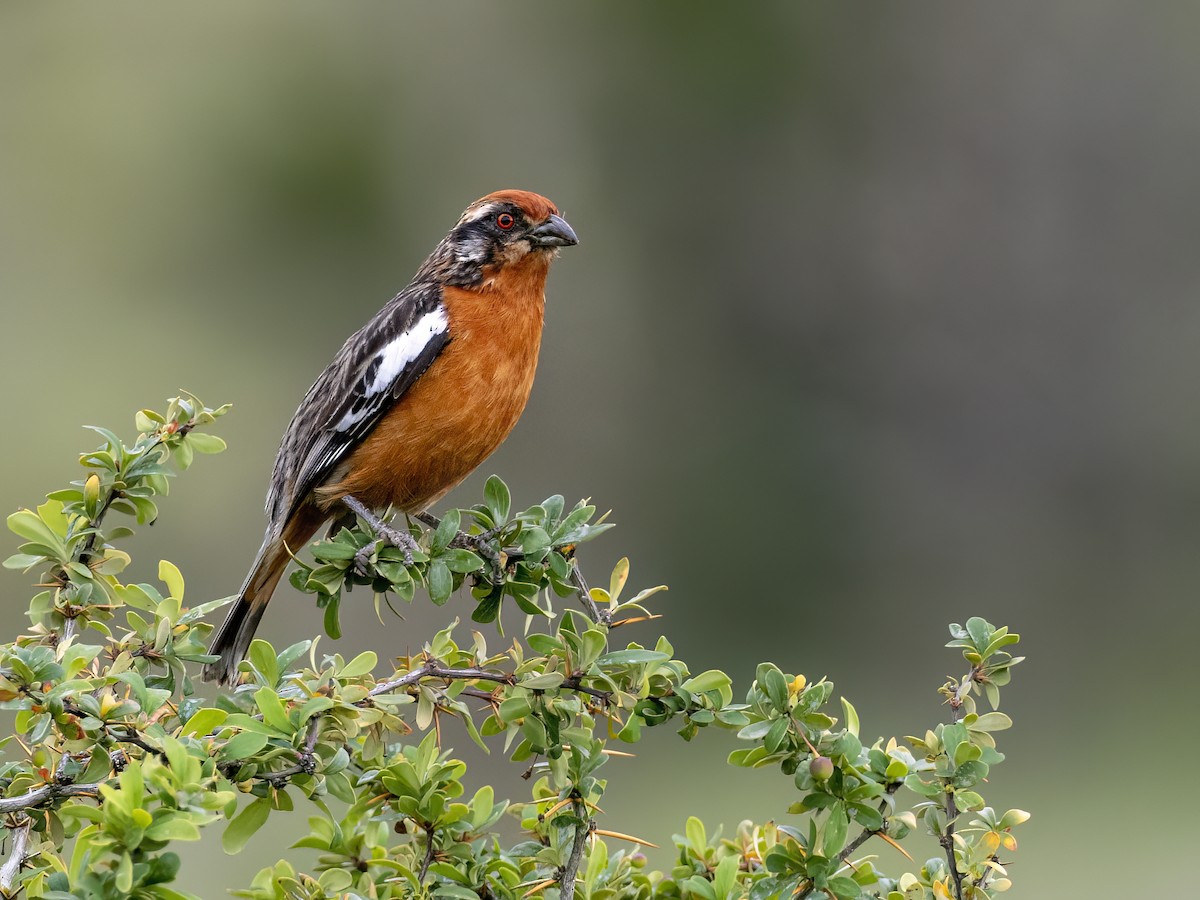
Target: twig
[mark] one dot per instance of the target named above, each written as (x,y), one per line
(947,839)
(865,835)
(585,596)
(430,850)
(39,795)
(566,881)
(307,763)
(88,547)
(16,857)
(989,872)
(960,693)
(432,669)
(947,842)
(129,736)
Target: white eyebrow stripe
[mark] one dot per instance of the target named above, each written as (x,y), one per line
(483,212)
(398,355)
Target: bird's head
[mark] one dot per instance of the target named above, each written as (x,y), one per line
(502,230)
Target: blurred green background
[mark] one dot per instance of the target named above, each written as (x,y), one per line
(902,296)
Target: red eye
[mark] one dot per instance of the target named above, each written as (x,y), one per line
(505,221)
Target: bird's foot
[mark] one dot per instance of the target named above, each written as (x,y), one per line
(385,532)
(362,559)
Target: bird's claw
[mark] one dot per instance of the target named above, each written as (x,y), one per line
(384,532)
(362,559)
(401,540)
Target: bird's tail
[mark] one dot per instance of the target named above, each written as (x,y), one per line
(234,637)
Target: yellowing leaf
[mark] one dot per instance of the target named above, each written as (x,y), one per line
(169,574)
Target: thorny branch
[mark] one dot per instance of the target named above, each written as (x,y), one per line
(482,544)
(947,839)
(16,857)
(39,795)
(126,736)
(307,763)
(865,835)
(84,550)
(566,881)
(433,669)
(430,851)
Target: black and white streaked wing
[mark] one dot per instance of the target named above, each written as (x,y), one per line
(371,372)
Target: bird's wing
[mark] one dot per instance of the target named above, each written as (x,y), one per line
(371,372)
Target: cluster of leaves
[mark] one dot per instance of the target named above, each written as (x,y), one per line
(527,554)
(115,757)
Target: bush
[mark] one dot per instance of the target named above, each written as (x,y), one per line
(116,759)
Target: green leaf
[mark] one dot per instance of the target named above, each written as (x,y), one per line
(242,745)
(497,499)
(775,737)
(966,752)
(169,574)
(204,721)
(360,665)
(631,657)
(834,835)
(725,877)
(245,824)
(446,531)
(28,525)
(173,828)
(992,721)
(262,657)
(457,559)
(980,631)
(23,561)
(771,680)
(712,680)
(544,682)
(441,582)
(333,626)
(756,730)
(620,574)
(273,711)
(205,443)
(851,716)
(181,452)
(1013,818)
(124,879)
(458,892)
(694,829)
(952,736)
(699,887)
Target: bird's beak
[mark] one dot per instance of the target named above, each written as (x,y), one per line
(554,232)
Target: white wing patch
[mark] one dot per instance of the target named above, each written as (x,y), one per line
(395,357)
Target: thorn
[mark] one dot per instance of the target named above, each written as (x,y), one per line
(625,837)
(630,621)
(540,886)
(896,845)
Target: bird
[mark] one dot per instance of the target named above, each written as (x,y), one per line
(414,400)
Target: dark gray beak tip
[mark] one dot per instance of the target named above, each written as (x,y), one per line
(554,232)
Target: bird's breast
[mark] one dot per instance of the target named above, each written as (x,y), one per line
(460,410)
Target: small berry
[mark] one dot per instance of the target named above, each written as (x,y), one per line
(821,768)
